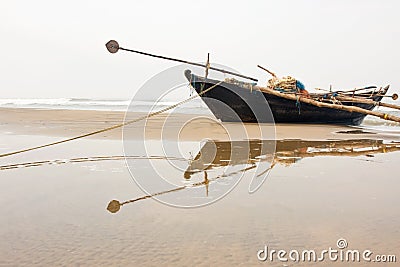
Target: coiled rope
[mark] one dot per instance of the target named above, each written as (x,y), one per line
(152,114)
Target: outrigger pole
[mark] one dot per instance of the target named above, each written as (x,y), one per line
(113,47)
(320,104)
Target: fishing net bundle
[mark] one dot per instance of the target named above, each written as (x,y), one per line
(286,84)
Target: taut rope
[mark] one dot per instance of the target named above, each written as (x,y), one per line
(112,127)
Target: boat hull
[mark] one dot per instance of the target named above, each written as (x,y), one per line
(283,110)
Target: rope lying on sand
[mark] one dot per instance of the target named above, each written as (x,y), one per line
(112,127)
(83,159)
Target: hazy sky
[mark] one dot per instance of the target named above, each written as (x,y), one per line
(52,49)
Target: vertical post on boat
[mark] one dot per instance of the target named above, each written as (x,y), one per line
(207,64)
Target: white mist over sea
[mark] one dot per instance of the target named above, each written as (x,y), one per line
(197,106)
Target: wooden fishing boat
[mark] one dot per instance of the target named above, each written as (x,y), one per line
(233,101)
(237,95)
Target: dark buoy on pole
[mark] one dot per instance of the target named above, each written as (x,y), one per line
(113,47)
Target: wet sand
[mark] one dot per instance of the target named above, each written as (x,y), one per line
(75,122)
(332,182)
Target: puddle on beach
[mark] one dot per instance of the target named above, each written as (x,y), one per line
(217,166)
(56,209)
(315,192)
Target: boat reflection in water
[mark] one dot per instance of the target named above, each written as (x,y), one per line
(287,152)
(215,156)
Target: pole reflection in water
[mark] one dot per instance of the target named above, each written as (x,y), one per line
(215,155)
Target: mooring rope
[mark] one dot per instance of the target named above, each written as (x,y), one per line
(82,160)
(112,127)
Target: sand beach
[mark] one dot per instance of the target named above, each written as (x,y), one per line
(327,183)
(206,133)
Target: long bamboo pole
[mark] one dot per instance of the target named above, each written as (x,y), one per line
(384,116)
(350,99)
(366,101)
(270,72)
(113,47)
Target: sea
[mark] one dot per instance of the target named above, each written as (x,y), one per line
(99,104)
(196,107)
